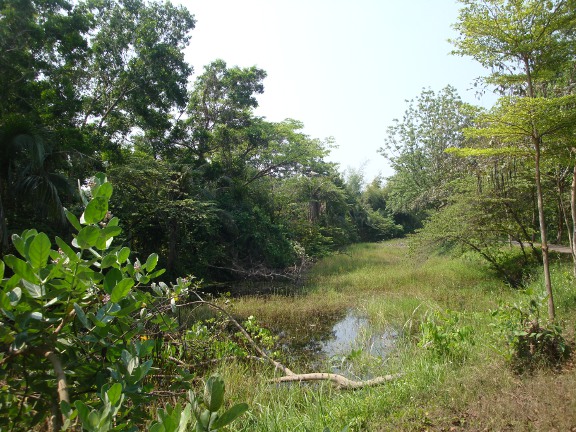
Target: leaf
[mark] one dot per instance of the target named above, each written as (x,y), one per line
(95,210)
(123,255)
(157,427)
(19,244)
(106,236)
(14,296)
(108,261)
(22,268)
(105,191)
(230,415)
(185,418)
(142,370)
(73,220)
(111,279)
(81,316)
(214,393)
(83,411)
(39,251)
(151,262)
(121,290)
(35,291)
(36,315)
(2,266)
(87,237)
(114,393)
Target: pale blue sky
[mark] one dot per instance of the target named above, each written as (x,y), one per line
(342,67)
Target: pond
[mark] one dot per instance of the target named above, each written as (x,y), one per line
(338,342)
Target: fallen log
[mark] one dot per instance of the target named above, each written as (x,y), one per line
(340,381)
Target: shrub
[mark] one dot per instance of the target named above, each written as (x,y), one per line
(88,313)
(530,344)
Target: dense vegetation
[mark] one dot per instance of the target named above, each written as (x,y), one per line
(97,93)
(215,190)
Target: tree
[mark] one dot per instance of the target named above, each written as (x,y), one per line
(136,76)
(416,148)
(525,43)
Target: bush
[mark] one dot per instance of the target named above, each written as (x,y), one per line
(530,344)
(82,329)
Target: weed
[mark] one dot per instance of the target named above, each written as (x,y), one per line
(444,335)
(530,344)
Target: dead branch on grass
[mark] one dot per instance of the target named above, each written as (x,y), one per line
(289,376)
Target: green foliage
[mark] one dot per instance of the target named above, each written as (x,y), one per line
(88,308)
(415,148)
(445,336)
(205,410)
(530,344)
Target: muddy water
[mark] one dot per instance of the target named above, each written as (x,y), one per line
(335,343)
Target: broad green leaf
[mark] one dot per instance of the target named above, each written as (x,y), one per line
(65,408)
(111,279)
(21,268)
(73,220)
(39,251)
(108,261)
(113,222)
(1,271)
(142,370)
(20,245)
(115,392)
(93,419)
(214,393)
(83,411)
(123,255)
(151,262)
(157,273)
(230,415)
(185,418)
(95,210)
(35,291)
(14,296)
(81,316)
(107,234)
(157,427)
(121,290)
(105,190)
(87,237)
(100,178)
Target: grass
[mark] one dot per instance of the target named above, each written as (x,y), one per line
(474,390)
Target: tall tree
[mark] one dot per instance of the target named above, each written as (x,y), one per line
(136,77)
(525,43)
(415,147)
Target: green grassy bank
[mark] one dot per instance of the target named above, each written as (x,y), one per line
(451,352)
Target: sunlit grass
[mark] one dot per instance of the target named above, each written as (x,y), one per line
(393,290)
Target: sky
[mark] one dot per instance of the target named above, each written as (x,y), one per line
(345,68)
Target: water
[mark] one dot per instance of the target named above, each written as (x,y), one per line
(353,333)
(345,344)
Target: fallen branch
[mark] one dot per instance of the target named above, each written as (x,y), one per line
(289,376)
(341,381)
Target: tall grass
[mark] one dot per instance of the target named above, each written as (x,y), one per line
(393,290)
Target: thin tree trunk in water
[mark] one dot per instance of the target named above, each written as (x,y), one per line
(543,237)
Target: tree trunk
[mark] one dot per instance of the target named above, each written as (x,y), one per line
(573,212)
(543,237)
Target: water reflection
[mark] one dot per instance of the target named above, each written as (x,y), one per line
(338,342)
(353,333)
